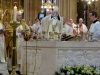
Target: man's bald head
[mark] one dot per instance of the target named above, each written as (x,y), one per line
(19,16)
(71,21)
(80,20)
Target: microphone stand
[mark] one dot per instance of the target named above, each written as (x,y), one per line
(36,40)
(26,39)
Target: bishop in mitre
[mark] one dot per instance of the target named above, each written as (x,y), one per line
(55,24)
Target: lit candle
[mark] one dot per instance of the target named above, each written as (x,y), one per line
(15,13)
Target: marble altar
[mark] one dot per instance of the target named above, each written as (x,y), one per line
(45,57)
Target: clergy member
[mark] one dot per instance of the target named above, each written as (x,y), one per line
(95,26)
(55,24)
(45,25)
(23,32)
(20,32)
(37,29)
(67,30)
(82,29)
(73,26)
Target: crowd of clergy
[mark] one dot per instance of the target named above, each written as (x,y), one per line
(55,27)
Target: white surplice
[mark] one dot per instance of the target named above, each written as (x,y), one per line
(95,30)
(2,58)
(68,30)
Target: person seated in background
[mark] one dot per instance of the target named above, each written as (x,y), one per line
(94,30)
(67,31)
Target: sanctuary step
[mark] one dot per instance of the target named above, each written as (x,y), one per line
(3,69)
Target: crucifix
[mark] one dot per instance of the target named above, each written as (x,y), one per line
(77,36)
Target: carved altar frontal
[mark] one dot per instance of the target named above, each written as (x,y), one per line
(81,53)
(45,57)
(71,57)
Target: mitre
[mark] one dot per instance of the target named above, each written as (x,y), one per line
(56,8)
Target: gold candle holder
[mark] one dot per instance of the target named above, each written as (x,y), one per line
(53,35)
(14,53)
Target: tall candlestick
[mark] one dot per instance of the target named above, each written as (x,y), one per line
(15,13)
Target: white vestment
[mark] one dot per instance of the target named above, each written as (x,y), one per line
(45,25)
(68,30)
(37,29)
(2,58)
(95,30)
(55,25)
(19,43)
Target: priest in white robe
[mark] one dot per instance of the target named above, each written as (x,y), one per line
(82,29)
(67,30)
(37,29)
(94,30)
(73,26)
(20,32)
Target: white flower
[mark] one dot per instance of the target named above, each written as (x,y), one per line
(62,74)
(98,72)
(83,71)
(72,72)
(68,73)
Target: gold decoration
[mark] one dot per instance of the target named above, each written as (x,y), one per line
(6,16)
(90,1)
(6,10)
(48,5)
(14,52)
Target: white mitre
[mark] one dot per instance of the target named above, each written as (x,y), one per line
(56,8)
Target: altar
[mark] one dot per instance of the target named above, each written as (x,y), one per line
(45,57)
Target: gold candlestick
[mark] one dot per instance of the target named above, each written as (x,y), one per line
(14,53)
(77,36)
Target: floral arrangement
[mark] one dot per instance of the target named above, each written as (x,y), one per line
(78,70)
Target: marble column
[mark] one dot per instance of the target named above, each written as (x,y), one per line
(31,9)
(68,9)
